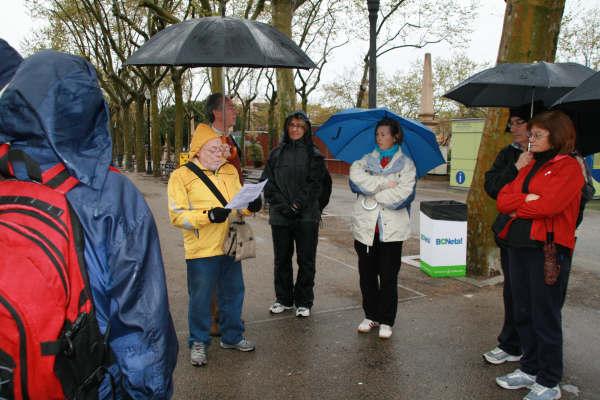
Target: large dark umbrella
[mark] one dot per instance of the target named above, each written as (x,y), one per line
(583,106)
(221,42)
(518,84)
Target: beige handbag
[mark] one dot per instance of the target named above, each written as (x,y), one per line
(239,242)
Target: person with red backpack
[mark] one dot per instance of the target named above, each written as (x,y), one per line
(89,232)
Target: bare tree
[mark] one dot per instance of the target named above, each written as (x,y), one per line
(317,20)
(417,24)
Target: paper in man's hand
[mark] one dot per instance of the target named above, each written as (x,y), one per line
(247,193)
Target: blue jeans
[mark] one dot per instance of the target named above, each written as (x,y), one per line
(204,275)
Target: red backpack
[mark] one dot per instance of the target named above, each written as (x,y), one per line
(50,344)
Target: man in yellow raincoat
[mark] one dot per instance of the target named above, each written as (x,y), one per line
(204,224)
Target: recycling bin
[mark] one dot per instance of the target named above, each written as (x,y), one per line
(443,238)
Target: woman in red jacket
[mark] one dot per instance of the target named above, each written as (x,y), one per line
(543,198)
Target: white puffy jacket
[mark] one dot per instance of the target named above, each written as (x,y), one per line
(379,202)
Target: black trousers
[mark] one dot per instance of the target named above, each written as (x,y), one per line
(378,268)
(537,312)
(508,339)
(304,234)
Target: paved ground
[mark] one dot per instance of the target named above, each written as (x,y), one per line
(442,328)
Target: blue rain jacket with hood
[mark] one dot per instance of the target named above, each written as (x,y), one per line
(9,62)
(54,110)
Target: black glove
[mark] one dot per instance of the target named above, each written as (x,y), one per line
(218,214)
(255,205)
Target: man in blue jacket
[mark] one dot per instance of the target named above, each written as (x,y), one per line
(53,109)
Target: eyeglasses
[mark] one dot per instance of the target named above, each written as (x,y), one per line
(299,126)
(214,150)
(536,136)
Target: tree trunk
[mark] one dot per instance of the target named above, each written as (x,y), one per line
(216,84)
(361,96)
(176,77)
(304,100)
(282,20)
(156,147)
(140,150)
(127,142)
(117,135)
(271,123)
(244,127)
(530,33)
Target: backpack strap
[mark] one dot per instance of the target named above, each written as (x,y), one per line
(8,156)
(59,179)
(194,168)
(56,177)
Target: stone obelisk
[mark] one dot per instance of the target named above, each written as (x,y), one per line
(426,115)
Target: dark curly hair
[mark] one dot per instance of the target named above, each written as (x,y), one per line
(395,128)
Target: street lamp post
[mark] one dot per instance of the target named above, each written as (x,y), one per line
(373,6)
(148,154)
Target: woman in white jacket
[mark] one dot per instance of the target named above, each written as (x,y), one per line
(384,180)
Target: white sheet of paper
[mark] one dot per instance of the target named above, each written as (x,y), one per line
(247,193)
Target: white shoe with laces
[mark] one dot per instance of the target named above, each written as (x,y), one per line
(385,331)
(516,380)
(303,312)
(540,392)
(498,356)
(366,325)
(278,308)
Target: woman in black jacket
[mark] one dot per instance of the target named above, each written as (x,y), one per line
(297,191)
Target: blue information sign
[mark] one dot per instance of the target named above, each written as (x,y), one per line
(460,177)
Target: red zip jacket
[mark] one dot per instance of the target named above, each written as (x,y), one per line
(558,183)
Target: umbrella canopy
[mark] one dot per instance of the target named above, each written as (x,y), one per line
(350,134)
(584,97)
(221,42)
(582,104)
(517,84)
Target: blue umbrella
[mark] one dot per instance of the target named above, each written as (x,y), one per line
(350,134)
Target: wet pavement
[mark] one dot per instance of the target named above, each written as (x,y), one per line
(442,327)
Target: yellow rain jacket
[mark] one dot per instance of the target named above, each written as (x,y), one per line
(190,200)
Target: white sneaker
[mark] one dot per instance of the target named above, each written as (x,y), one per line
(498,356)
(516,380)
(385,331)
(366,325)
(303,312)
(539,392)
(278,308)
(198,354)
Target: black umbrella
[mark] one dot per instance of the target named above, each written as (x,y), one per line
(582,104)
(221,42)
(517,84)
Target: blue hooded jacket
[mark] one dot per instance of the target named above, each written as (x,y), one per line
(9,62)
(54,110)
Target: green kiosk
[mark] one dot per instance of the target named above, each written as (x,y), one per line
(464,145)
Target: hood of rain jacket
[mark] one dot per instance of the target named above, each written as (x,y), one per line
(53,109)
(9,62)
